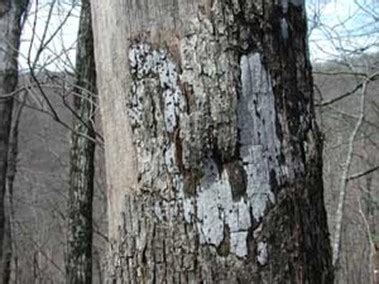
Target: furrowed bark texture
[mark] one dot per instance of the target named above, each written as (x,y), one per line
(10,31)
(212,150)
(79,267)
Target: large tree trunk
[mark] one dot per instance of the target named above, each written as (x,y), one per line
(79,267)
(11,12)
(212,151)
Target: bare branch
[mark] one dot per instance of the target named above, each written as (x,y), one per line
(356,88)
(363,173)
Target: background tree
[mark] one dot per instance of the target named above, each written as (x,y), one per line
(344,41)
(41,190)
(213,154)
(11,13)
(82,157)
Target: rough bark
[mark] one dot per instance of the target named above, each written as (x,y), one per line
(79,267)
(11,12)
(213,154)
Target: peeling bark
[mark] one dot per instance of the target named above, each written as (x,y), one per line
(11,13)
(212,150)
(79,264)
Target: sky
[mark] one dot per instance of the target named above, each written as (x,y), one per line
(56,24)
(336,28)
(349,27)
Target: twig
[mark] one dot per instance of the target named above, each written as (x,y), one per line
(349,93)
(363,173)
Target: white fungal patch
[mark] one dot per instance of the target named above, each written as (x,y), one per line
(262,254)
(154,105)
(260,145)
(145,62)
(238,243)
(259,149)
(216,209)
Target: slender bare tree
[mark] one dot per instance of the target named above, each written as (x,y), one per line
(11,13)
(79,268)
